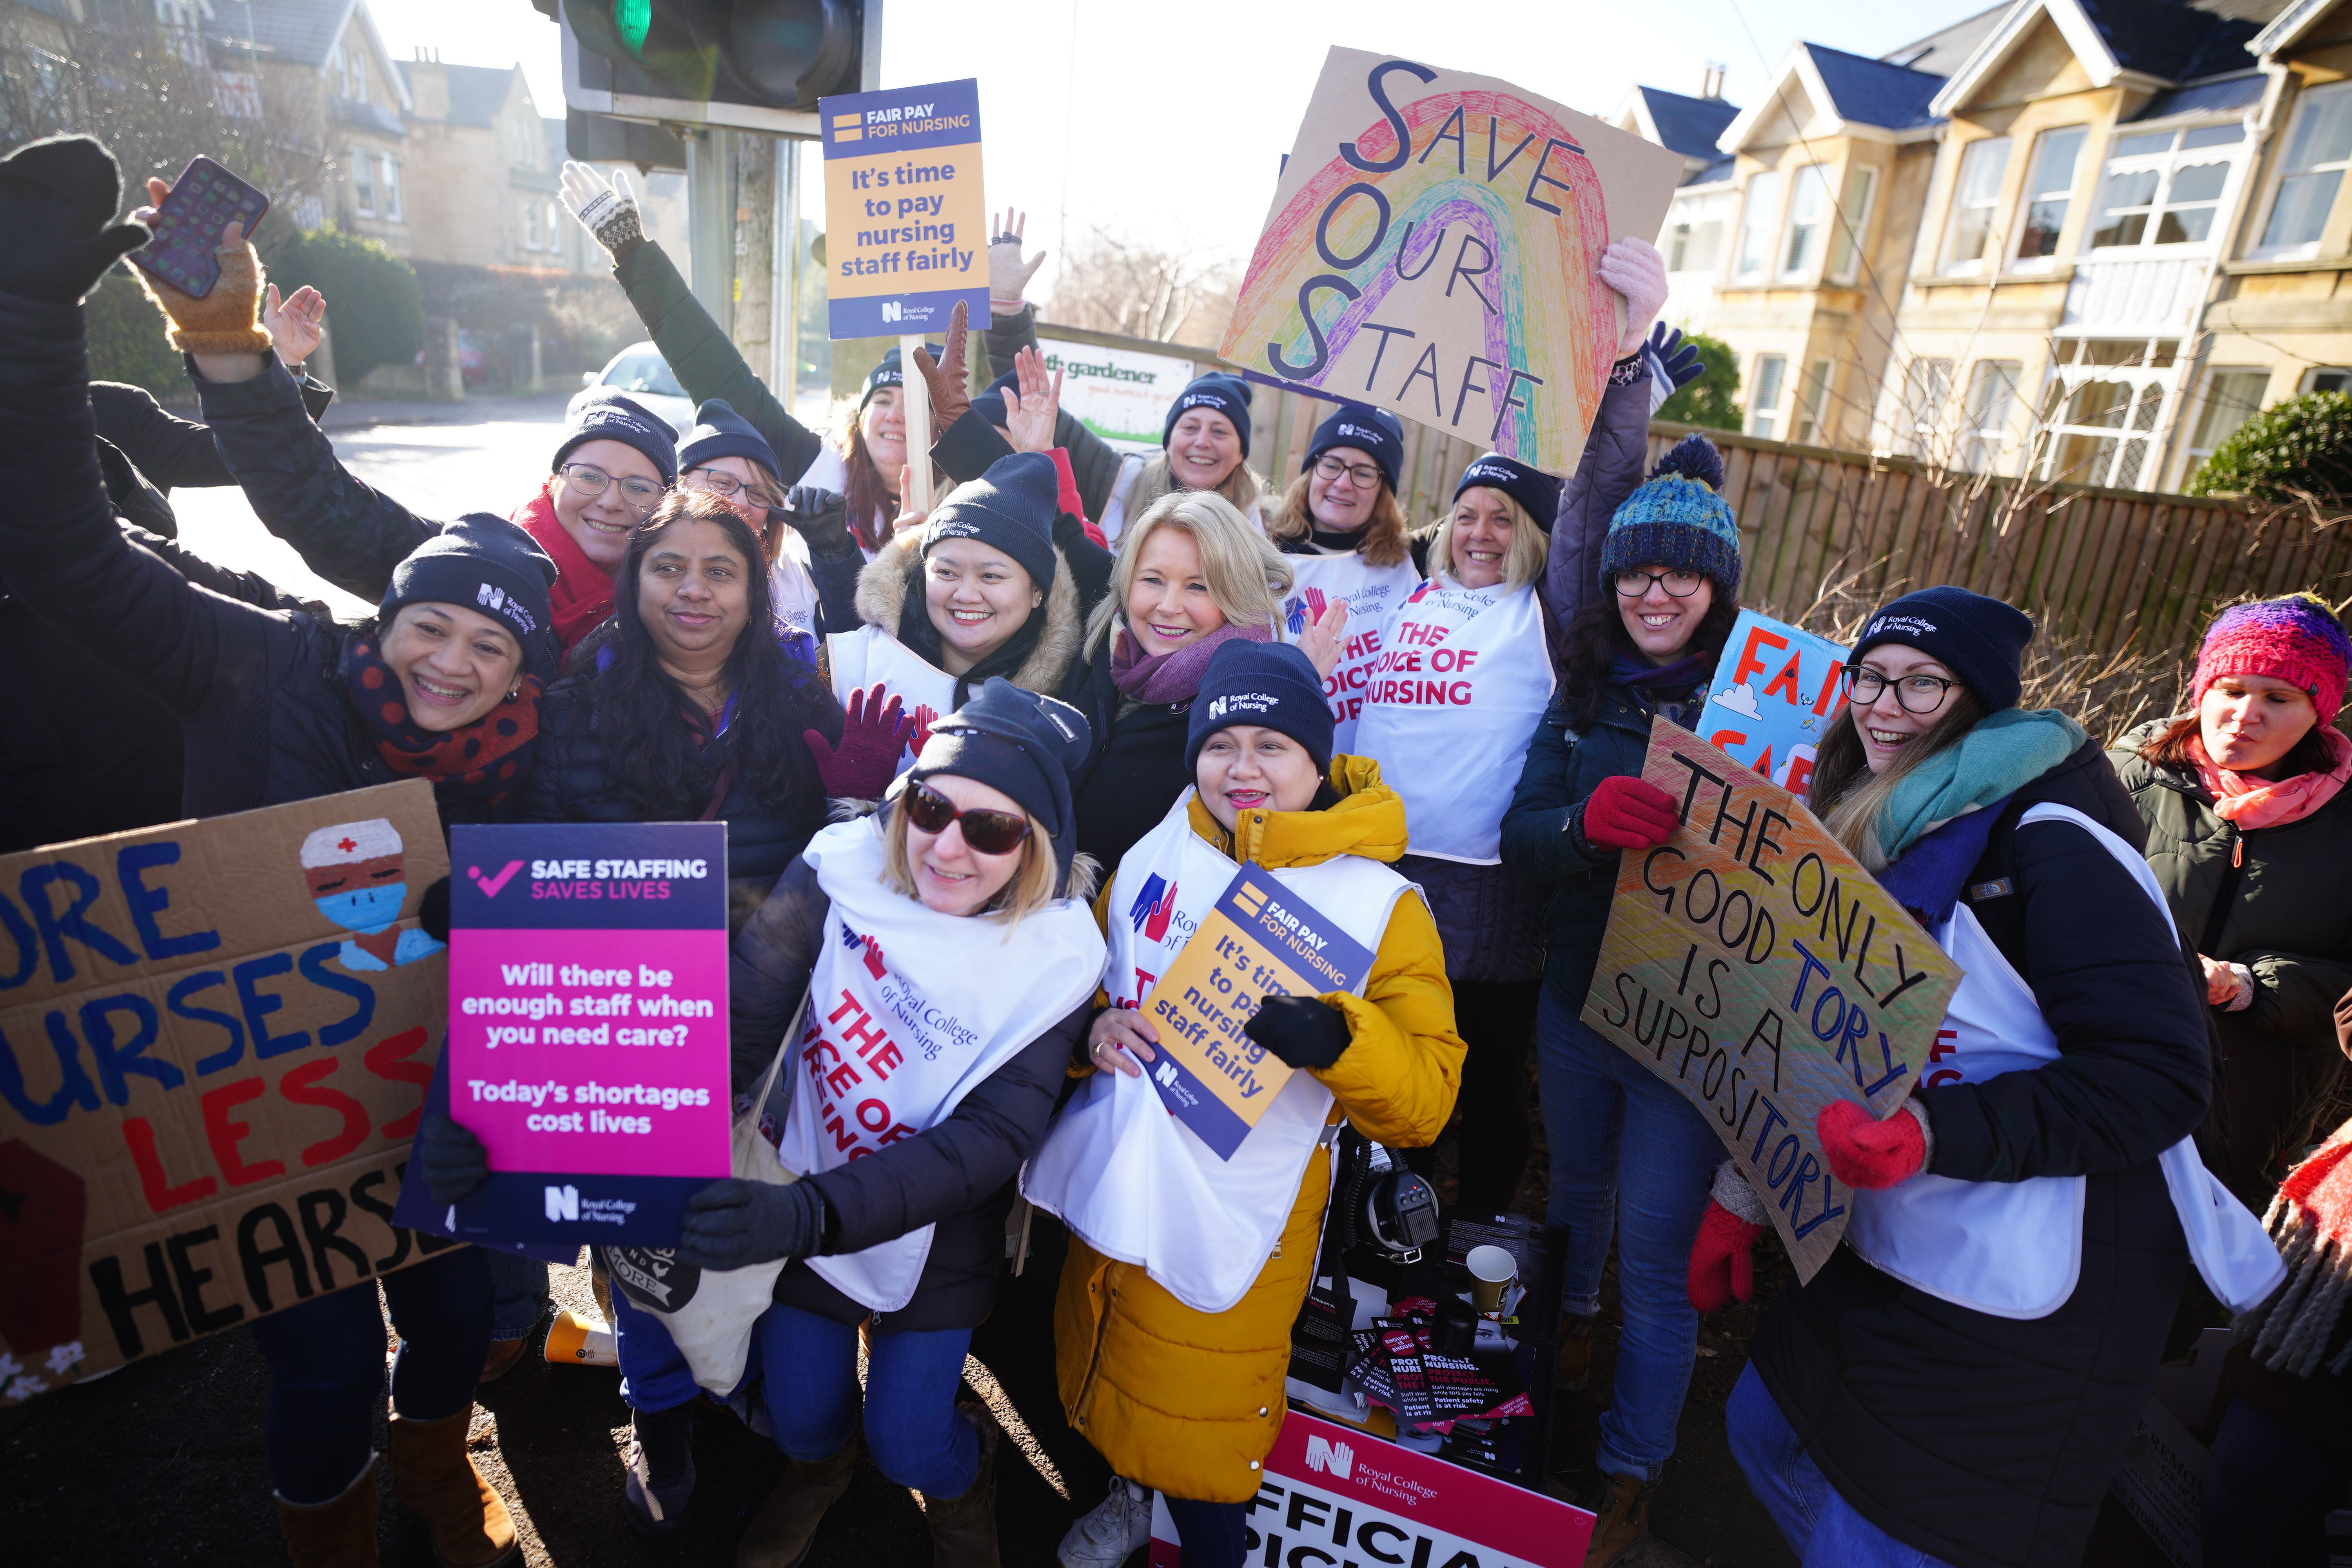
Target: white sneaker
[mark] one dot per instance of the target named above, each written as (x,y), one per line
(1117,1527)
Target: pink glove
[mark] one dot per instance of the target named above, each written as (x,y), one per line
(1722,1259)
(1869,1154)
(1636,269)
(1627,813)
(872,737)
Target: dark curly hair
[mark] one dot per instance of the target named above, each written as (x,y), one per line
(1594,639)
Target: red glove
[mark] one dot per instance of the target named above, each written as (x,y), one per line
(1629,813)
(1722,1259)
(1869,1154)
(872,737)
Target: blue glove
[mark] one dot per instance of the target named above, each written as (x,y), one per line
(1673,365)
(734,1224)
(454,1161)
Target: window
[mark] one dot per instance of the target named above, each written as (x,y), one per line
(1926,386)
(531,227)
(363,162)
(1765,420)
(1694,232)
(2329,380)
(2233,396)
(2048,190)
(1756,225)
(2318,147)
(1974,196)
(1810,400)
(1808,205)
(555,228)
(2104,430)
(1853,217)
(351,74)
(389,177)
(2163,187)
(1992,397)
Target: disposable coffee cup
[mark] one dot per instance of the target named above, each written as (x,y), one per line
(1492,1269)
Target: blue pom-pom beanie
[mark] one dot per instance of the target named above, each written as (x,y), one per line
(1678,519)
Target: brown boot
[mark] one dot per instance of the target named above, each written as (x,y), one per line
(963,1529)
(1621,1508)
(434,1478)
(1571,1369)
(779,1533)
(339,1534)
(504,1355)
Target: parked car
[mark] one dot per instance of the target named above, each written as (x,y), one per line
(640,370)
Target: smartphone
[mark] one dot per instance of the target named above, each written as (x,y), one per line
(204,200)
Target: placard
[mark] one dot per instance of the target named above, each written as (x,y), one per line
(1752,963)
(1434,248)
(906,217)
(214,1049)
(1775,691)
(1258,938)
(588,1025)
(1120,394)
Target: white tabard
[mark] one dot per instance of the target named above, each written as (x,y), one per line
(1128,1178)
(1372,593)
(870,656)
(1461,681)
(910,1011)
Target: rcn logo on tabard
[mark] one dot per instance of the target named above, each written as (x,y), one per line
(1332,1459)
(1152,907)
(490,885)
(563,1202)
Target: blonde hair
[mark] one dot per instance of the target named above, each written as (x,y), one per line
(1247,576)
(1523,558)
(1384,534)
(1847,797)
(1029,890)
(1242,487)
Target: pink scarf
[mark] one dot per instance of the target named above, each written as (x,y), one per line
(1165,677)
(2250,802)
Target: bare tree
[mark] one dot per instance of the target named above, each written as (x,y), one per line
(1112,282)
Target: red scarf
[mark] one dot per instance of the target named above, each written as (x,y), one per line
(488,757)
(583,595)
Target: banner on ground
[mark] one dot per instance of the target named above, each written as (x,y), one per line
(1752,963)
(1120,394)
(1775,691)
(1259,939)
(214,1039)
(904,215)
(1435,247)
(588,1025)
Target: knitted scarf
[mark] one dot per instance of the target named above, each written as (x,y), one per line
(1171,678)
(2252,802)
(488,757)
(2311,1220)
(2003,753)
(582,593)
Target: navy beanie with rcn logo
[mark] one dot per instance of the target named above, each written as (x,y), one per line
(1225,394)
(1270,686)
(613,418)
(1981,640)
(486,564)
(1011,508)
(1375,432)
(1532,487)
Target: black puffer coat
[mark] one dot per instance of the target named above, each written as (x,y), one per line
(1989,1441)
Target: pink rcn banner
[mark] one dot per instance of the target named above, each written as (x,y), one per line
(588,1025)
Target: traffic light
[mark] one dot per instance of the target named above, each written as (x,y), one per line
(754,64)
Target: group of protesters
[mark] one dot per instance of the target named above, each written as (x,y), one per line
(1085,685)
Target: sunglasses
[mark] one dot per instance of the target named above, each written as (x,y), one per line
(988,832)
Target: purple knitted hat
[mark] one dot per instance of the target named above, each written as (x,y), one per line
(2293,639)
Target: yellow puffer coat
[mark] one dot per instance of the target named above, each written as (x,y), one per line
(1189,1403)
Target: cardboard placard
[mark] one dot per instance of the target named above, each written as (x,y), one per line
(1752,963)
(1435,247)
(1258,938)
(906,219)
(1775,691)
(588,1025)
(214,1039)
(1334,1494)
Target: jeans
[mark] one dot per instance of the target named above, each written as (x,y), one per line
(2268,1493)
(1628,1152)
(913,1429)
(654,1373)
(519,1285)
(1209,1534)
(326,1368)
(1496,1020)
(1821,1527)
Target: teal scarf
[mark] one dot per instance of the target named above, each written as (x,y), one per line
(2005,752)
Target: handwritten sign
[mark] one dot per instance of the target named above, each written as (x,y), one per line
(1258,939)
(588,1025)
(1435,249)
(1752,963)
(1775,691)
(904,210)
(214,1049)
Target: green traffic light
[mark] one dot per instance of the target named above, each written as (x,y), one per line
(633,19)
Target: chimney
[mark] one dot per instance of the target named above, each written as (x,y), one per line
(1711,80)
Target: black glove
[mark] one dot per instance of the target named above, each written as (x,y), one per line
(454,1159)
(734,1224)
(432,914)
(1304,1031)
(819,516)
(56,198)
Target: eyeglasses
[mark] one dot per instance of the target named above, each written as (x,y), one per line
(1681,584)
(1362,475)
(1913,693)
(718,482)
(641,495)
(988,832)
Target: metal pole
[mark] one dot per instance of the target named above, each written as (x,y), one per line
(784,295)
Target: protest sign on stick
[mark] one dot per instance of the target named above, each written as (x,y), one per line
(1775,691)
(214,1049)
(1434,248)
(1752,963)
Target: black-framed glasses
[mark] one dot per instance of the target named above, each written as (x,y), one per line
(718,482)
(988,832)
(1681,584)
(640,494)
(1362,475)
(1913,693)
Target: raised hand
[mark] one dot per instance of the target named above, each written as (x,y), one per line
(1327,640)
(608,212)
(948,380)
(296,325)
(1008,274)
(1636,269)
(1674,363)
(57,197)
(874,735)
(224,327)
(1032,409)
(908,520)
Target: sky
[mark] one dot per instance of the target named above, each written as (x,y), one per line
(1168,122)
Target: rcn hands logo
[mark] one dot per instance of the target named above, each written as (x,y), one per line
(1333,1459)
(1152,907)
